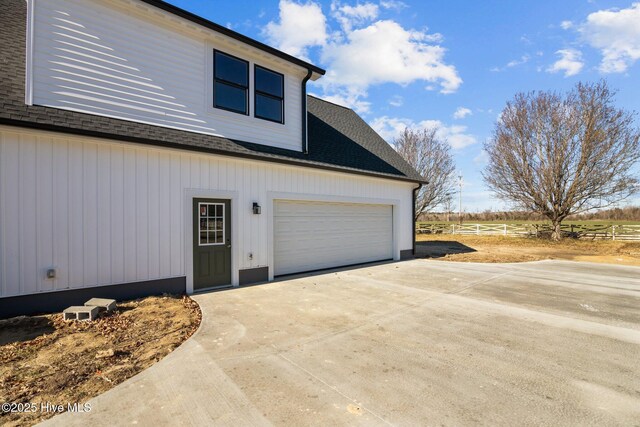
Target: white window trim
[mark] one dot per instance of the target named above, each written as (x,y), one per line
(224,222)
(28,84)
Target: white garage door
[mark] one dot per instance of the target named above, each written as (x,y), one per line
(315,235)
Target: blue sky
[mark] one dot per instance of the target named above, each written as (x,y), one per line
(451,63)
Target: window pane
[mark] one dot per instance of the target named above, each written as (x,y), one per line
(231,69)
(203,210)
(268,108)
(203,237)
(230,97)
(218,210)
(212,210)
(269,82)
(219,237)
(212,237)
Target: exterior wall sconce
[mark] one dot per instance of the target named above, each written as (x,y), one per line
(256,208)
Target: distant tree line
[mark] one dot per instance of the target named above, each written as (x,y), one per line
(629,213)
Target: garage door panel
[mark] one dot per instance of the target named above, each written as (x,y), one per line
(314,235)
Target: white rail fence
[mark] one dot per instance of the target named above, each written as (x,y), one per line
(580,231)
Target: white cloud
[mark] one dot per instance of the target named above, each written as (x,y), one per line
(481,159)
(348,16)
(523,60)
(349,100)
(616,33)
(565,25)
(456,135)
(385,52)
(513,63)
(396,101)
(362,53)
(462,112)
(393,4)
(570,62)
(391,127)
(300,27)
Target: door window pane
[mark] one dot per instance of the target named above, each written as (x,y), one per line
(211,226)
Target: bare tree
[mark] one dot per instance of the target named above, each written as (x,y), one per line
(562,155)
(432,158)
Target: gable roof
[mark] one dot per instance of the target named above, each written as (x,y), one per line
(339,139)
(230,33)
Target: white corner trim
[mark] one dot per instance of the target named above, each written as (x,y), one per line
(28,83)
(193,193)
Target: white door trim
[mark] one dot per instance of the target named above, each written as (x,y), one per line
(196,193)
(277,195)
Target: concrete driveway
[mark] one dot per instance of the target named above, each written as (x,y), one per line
(412,343)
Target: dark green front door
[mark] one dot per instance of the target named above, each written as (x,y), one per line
(211,243)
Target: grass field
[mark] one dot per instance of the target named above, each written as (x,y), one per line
(471,248)
(567,222)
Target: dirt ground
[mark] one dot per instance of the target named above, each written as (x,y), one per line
(469,248)
(45,360)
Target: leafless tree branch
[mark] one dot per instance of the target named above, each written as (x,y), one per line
(563,155)
(432,158)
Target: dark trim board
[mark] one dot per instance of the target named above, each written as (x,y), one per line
(337,267)
(406,254)
(253,275)
(50,302)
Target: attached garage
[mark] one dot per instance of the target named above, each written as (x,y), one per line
(124,202)
(311,235)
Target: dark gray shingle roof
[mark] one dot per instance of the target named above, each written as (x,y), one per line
(338,138)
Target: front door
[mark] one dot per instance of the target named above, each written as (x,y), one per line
(211,243)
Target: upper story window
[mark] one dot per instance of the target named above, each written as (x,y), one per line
(230,83)
(269,95)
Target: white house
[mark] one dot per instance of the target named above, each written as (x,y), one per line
(144,149)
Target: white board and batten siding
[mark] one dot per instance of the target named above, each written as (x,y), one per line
(310,235)
(132,61)
(103,212)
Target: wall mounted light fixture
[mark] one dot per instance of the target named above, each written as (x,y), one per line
(256,208)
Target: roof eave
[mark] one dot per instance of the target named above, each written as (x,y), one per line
(166,144)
